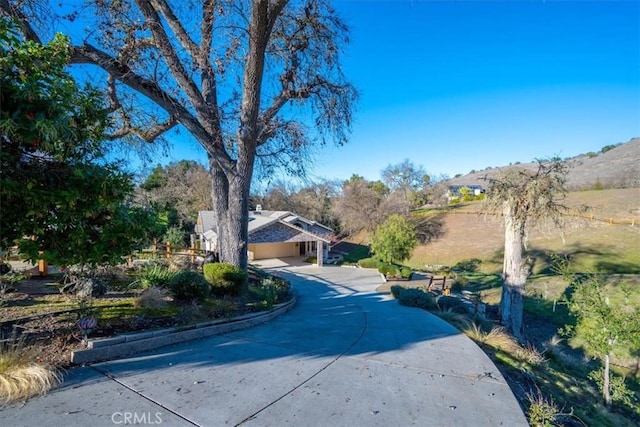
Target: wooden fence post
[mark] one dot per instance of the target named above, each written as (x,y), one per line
(193,249)
(43,268)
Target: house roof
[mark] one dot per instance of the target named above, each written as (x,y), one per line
(259,221)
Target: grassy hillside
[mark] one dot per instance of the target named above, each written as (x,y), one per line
(618,167)
(601,243)
(603,239)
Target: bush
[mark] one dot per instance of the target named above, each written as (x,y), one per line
(154,275)
(405,273)
(396,290)
(384,269)
(452,304)
(412,297)
(281,286)
(188,286)
(607,148)
(468,265)
(225,279)
(459,283)
(368,263)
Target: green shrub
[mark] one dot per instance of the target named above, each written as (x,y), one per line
(468,265)
(225,279)
(452,304)
(598,185)
(384,268)
(459,283)
(175,237)
(394,272)
(368,263)
(405,273)
(396,290)
(154,275)
(412,297)
(265,296)
(607,148)
(188,286)
(281,287)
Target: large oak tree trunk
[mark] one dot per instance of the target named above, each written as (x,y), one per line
(230,194)
(514,276)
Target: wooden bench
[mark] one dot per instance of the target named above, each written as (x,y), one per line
(438,283)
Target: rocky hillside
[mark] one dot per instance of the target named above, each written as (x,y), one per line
(618,167)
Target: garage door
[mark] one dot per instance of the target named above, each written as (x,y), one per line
(272,250)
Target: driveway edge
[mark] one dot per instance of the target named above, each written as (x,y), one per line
(110,348)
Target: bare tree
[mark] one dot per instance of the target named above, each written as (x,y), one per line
(406,178)
(363,205)
(315,202)
(245,79)
(526,198)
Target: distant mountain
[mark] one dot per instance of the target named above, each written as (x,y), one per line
(617,167)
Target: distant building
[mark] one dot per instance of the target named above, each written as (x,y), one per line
(454,190)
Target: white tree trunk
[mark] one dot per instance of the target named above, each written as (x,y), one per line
(606,383)
(514,276)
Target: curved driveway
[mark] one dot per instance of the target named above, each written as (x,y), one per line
(344,356)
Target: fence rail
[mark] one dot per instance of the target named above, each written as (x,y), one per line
(166,250)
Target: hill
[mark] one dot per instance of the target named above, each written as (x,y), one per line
(617,167)
(603,239)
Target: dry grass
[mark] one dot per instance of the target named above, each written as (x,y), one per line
(152,297)
(531,355)
(460,321)
(21,377)
(497,338)
(468,235)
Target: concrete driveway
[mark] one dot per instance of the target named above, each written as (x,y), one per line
(345,356)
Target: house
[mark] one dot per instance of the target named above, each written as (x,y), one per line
(454,190)
(272,234)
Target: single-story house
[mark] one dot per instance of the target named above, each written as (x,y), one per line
(272,234)
(454,190)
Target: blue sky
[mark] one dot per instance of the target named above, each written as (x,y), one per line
(461,85)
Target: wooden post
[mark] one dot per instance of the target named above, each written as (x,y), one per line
(43,268)
(168,250)
(193,249)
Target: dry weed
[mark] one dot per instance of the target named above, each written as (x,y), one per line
(460,321)
(153,297)
(497,338)
(542,411)
(21,378)
(530,354)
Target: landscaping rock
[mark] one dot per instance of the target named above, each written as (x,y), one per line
(4,268)
(85,287)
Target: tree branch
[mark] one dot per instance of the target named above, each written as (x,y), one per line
(163,43)
(13,10)
(174,23)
